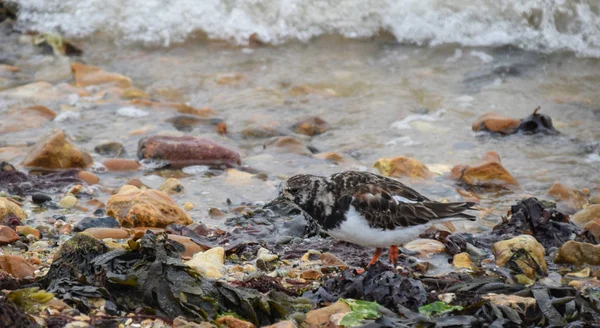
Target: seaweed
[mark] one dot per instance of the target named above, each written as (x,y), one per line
(152,277)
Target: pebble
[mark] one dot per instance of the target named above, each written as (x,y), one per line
(88,177)
(40,198)
(266,255)
(188,206)
(69,201)
(94,222)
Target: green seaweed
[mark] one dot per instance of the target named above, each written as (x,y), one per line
(438,307)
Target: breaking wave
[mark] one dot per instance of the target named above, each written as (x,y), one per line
(543,25)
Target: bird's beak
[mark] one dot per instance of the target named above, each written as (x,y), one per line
(277,200)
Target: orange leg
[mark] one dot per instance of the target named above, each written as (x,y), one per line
(376,256)
(394,254)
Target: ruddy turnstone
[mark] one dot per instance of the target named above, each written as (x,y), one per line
(368,209)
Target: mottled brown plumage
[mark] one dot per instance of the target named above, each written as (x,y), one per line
(368,209)
(372,195)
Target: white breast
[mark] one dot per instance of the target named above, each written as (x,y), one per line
(355,229)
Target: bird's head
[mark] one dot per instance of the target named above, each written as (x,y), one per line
(299,189)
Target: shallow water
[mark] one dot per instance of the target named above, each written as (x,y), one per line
(382,99)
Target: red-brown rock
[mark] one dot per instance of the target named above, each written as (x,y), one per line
(493,122)
(186,151)
(17,266)
(7,235)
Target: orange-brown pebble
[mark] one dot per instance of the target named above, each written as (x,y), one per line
(121,164)
(101,233)
(88,177)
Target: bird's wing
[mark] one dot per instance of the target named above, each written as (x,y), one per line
(352,181)
(383,210)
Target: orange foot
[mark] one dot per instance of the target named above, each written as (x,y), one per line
(394,254)
(375,256)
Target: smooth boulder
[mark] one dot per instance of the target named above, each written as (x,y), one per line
(133,207)
(184,151)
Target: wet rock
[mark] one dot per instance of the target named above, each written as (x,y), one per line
(69,201)
(233,322)
(111,149)
(187,123)
(581,218)
(96,222)
(573,199)
(426,247)
(171,186)
(86,75)
(287,145)
(489,173)
(39,198)
(88,177)
(320,317)
(522,253)
(133,207)
(57,152)
(7,235)
(574,252)
(462,260)
(187,151)
(402,166)
(493,122)
(8,207)
(330,260)
(537,123)
(27,230)
(283,324)
(330,157)
(27,118)
(209,263)
(17,266)
(121,164)
(311,126)
(102,233)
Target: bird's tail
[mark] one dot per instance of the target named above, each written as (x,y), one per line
(451,210)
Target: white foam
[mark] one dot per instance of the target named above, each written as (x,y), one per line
(482,56)
(404,123)
(532,24)
(130,111)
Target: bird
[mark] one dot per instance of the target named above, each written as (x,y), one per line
(368,209)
